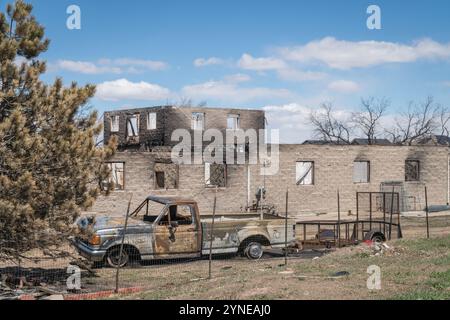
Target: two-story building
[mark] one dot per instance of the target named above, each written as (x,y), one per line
(312,172)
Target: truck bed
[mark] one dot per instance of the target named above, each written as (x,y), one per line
(231,230)
(238,217)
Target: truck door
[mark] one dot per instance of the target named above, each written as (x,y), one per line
(176,232)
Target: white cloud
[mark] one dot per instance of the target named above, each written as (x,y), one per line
(238,77)
(344,86)
(260,64)
(85,67)
(127,90)
(340,54)
(289,74)
(229,91)
(151,65)
(105,66)
(292,120)
(202,62)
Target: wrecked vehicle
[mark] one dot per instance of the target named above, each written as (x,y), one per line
(168,227)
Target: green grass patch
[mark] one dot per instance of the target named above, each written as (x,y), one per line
(436,288)
(433,244)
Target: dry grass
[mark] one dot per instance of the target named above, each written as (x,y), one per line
(411,269)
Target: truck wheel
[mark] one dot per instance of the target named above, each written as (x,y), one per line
(113,257)
(253,251)
(378,238)
(375,236)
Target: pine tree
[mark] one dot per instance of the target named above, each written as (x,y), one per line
(50,166)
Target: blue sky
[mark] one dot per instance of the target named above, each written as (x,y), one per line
(284,56)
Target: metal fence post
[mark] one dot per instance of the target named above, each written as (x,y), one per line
(121,245)
(427,213)
(286,229)
(339,218)
(211,235)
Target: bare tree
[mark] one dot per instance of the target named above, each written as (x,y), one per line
(419,121)
(328,127)
(444,121)
(185,102)
(367,121)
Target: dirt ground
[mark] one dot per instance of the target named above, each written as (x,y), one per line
(411,268)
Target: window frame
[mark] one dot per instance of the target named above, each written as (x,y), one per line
(313,173)
(209,185)
(161,167)
(129,124)
(418,170)
(109,163)
(150,122)
(112,120)
(368,169)
(194,121)
(236,121)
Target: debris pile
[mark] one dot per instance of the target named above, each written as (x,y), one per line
(37,283)
(375,249)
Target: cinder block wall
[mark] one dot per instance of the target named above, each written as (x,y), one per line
(169,118)
(333,170)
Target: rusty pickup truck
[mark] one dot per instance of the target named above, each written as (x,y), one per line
(168,227)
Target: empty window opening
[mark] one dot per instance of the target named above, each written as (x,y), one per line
(166,176)
(361,172)
(215,175)
(198,121)
(151,121)
(412,170)
(115,123)
(305,173)
(160,180)
(133,126)
(179,214)
(117,177)
(233,121)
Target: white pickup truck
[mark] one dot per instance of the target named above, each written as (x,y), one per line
(167,227)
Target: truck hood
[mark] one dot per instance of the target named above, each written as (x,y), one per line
(96,223)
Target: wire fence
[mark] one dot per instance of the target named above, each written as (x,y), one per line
(170,252)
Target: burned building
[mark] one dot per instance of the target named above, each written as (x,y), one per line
(312,172)
(145,128)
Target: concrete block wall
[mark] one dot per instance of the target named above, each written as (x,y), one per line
(169,118)
(333,170)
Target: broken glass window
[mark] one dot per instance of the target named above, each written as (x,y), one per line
(115,123)
(233,121)
(305,173)
(361,171)
(215,175)
(198,120)
(133,125)
(412,170)
(166,176)
(117,175)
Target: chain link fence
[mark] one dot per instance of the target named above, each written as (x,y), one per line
(170,252)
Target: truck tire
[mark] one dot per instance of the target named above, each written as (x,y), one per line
(254,250)
(375,236)
(112,258)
